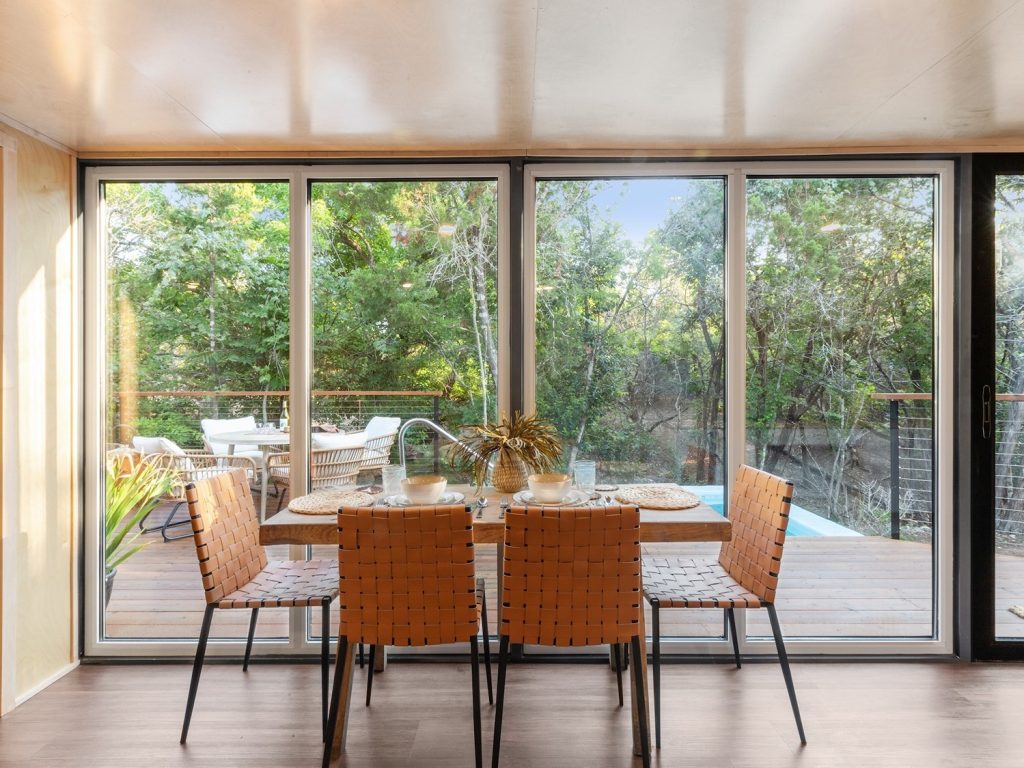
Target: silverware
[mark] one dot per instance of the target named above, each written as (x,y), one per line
(607,501)
(480,504)
(504,506)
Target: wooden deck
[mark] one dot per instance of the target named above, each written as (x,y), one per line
(830,587)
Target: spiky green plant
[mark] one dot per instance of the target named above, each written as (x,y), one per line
(130,497)
(529,439)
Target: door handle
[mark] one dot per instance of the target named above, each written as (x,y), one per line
(986,412)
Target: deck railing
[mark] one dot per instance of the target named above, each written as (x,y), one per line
(176,414)
(910,459)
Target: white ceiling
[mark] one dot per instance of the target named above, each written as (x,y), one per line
(523,76)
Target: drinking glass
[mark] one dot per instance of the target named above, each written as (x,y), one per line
(586,475)
(392,476)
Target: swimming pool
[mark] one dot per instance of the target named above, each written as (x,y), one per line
(802,522)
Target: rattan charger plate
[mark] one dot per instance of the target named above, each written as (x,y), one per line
(327,500)
(658,497)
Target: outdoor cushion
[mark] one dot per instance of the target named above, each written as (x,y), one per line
(382,425)
(148,445)
(322,440)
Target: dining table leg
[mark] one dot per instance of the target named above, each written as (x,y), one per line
(634,704)
(344,700)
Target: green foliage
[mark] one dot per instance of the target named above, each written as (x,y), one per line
(129,498)
(630,335)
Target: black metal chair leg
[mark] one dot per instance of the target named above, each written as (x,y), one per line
(784,662)
(641,703)
(369,676)
(502,664)
(332,712)
(197,669)
(248,641)
(325,659)
(617,653)
(656,663)
(167,524)
(478,744)
(731,614)
(487,645)
(362,656)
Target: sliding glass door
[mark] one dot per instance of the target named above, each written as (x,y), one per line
(795,317)
(841,360)
(997,399)
(273,315)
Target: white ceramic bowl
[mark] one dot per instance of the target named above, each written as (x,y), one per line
(424,489)
(549,488)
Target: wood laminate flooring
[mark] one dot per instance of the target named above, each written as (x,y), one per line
(880,715)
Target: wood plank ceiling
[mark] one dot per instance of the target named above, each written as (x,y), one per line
(525,77)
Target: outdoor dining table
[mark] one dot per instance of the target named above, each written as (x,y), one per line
(263,440)
(700,523)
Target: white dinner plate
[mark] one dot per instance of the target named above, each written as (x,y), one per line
(572,498)
(401,500)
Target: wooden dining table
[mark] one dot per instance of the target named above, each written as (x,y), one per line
(700,523)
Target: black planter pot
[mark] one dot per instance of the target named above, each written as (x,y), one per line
(108,586)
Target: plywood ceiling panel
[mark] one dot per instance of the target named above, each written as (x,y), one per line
(530,76)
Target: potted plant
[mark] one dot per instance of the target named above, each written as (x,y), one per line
(132,493)
(517,446)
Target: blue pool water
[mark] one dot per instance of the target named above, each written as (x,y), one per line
(802,522)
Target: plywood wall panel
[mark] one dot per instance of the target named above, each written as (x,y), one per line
(39,411)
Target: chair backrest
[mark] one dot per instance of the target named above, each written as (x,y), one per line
(213,427)
(759,513)
(407,575)
(571,576)
(226,532)
(334,466)
(377,451)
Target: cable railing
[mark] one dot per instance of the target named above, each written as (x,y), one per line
(176,414)
(910,461)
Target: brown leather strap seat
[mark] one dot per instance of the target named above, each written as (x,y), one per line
(237,574)
(745,574)
(407,578)
(571,577)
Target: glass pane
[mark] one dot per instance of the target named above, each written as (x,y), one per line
(630,344)
(1009,496)
(405,319)
(197,328)
(839,397)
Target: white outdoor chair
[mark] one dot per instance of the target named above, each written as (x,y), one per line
(213,427)
(380,433)
(328,466)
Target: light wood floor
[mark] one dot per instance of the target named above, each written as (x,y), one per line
(880,715)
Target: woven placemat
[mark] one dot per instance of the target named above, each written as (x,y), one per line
(658,497)
(327,500)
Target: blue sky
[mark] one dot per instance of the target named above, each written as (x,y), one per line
(640,205)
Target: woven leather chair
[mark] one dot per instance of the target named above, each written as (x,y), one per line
(328,466)
(190,466)
(407,579)
(237,574)
(571,577)
(745,575)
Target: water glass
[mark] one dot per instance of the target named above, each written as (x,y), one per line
(585,472)
(392,476)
